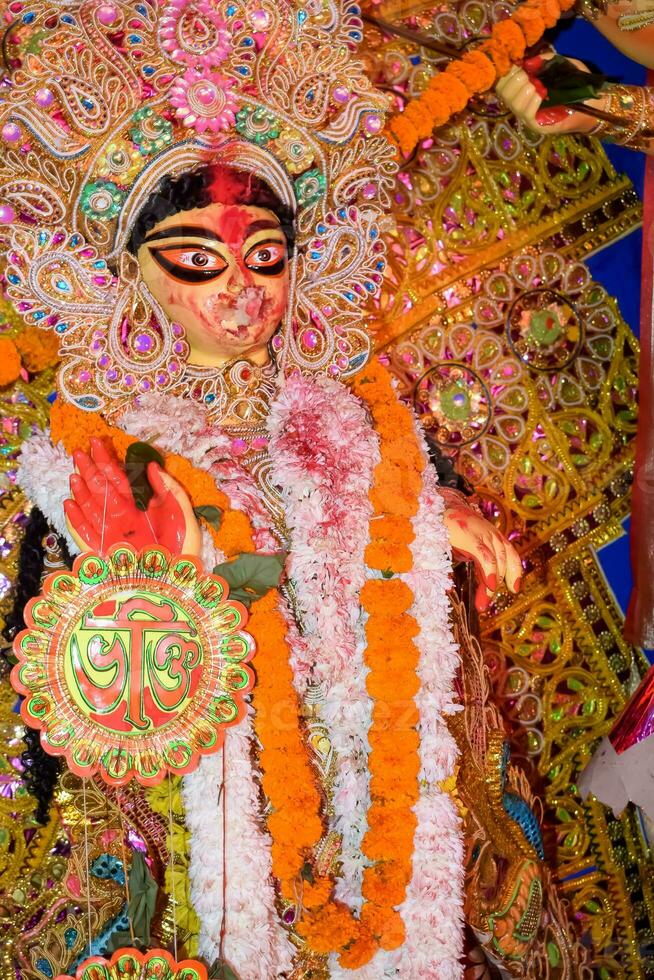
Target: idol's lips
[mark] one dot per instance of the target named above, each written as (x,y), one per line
(237,314)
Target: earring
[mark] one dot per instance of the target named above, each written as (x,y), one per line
(139,350)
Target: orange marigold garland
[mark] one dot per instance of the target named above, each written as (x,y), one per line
(476,72)
(9,362)
(288,777)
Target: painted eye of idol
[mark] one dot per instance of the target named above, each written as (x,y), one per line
(199,262)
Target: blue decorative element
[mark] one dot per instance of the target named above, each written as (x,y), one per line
(373,233)
(247,42)
(518,810)
(380,265)
(99,945)
(349,296)
(209,399)
(231,10)
(61,328)
(354,10)
(75,240)
(355,35)
(358,361)
(504,763)
(321,229)
(51,398)
(70,937)
(342,213)
(38,315)
(67,19)
(148,70)
(108,868)
(135,39)
(63,286)
(43,237)
(100,264)
(13,278)
(370,287)
(143,11)
(301,16)
(89,403)
(242,70)
(88,104)
(314,255)
(45,967)
(27,19)
(415,59)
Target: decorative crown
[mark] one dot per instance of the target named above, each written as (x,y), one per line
(103,100)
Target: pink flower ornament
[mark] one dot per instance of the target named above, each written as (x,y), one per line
(203,101)
(193,32)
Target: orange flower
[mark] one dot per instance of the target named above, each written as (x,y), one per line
(386,926)
(9,362)
(452,90)
(318,893)
(531,22)
(512,39)
(497,55)
(393,594)
(384,885)
(39,349)
(358,953)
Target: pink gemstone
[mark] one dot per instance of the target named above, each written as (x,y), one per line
(58,237)
(239,446)
(162,378)
(260,442)
(205,94)
(107,14)
(333,370)
(112,374)
(145,385)
(344,346)
(342,362)
(369,191)
(173,367)
(310,339)
(7,214)
(373,124)
(43,97)
(178,330)
(104,360)
(128,381)
(259,19)
(341,94)
(327,310)
(10,133)
(277,342)
(179,346)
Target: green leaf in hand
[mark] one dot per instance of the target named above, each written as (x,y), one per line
(212,515)
(137,458)
(249,577)
(567,84)
(142,900)
(221,970)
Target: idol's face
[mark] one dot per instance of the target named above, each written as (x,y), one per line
(221,272)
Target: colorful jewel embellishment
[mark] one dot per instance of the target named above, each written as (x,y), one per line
(204,101)
(102,200)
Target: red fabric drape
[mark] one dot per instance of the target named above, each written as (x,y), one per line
(639,626)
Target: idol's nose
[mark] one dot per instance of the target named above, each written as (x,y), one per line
(240,277)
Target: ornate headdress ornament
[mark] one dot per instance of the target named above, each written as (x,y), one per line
(103,100)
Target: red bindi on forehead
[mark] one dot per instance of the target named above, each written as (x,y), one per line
(232,223)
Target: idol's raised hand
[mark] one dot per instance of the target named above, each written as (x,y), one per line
(522,93)
(103,512)
(473,538)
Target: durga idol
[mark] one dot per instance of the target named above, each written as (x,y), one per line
(207,192)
